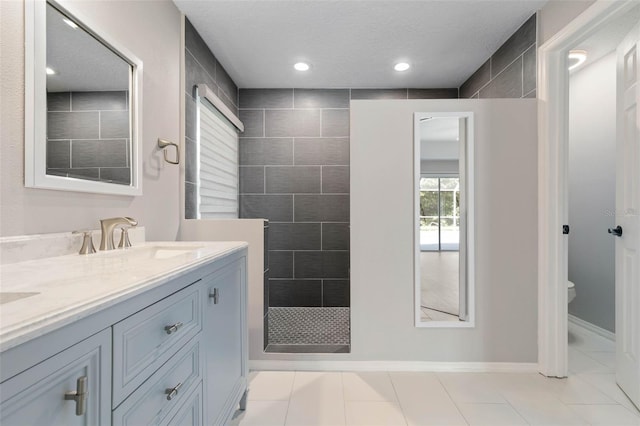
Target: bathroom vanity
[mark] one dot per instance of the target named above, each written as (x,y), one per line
(155,334)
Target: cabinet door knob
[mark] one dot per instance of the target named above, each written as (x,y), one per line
(172,392)
(173,328)
(79,396)
(215,295)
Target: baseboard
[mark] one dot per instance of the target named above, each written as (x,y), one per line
(592,328)
(474,367)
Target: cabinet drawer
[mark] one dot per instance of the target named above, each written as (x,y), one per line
(190,413)
(147,339)
(150,404)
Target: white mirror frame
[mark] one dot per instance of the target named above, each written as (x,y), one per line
(467,219)
(35,120)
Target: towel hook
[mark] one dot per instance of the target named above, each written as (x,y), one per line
(163,144)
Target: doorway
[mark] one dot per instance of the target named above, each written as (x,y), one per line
(592,194)
(619,19)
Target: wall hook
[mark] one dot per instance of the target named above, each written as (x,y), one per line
(163,144)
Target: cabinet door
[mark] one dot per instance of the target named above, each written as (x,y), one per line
(224,340)
(37,396)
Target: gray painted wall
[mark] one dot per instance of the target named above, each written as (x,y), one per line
(506,261)
(556,14)
(294,171)
(200,66)
(88,136)
(511,71)
(151,31)
(592,176)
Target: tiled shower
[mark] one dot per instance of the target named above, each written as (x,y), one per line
(294,171)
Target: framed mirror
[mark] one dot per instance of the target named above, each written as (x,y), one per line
(82,105)
(443,224)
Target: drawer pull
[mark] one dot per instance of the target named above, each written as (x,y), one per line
(172,392)
(79,396)
(173,328)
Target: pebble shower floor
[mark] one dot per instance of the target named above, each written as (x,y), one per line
(309,326)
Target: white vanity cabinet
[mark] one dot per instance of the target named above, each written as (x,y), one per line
(44,394)
(173,354)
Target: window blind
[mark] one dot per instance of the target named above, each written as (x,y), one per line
(217,164)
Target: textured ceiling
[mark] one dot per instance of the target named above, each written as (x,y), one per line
(352,43)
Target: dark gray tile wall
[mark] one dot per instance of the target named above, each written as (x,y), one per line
(432,93)
(284,293)
(379,94)
(294,171)
(88,136)
(201,66)
(292,122)
(336,294)
(511,71)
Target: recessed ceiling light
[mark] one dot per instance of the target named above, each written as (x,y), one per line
(301,66)
(577,57)
(70,23)
(401,66)
(50,71)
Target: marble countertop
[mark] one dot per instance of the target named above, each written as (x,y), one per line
(39,296)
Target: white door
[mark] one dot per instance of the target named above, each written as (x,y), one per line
(628,218)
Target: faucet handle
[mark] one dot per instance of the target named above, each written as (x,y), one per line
(87,242)
(131,221)
(124,238)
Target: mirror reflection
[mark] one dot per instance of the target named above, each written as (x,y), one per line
(441,206)
(89,132)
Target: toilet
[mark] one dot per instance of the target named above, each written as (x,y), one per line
(571,287)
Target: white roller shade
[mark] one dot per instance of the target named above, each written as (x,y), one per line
(217,164)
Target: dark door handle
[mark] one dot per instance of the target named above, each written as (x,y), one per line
(617,231)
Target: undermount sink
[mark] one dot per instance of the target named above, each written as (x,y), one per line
(166,252)
(10,296)
(152,251)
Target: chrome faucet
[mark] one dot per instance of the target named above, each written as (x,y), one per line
(108,225)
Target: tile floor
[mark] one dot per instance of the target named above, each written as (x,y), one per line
(588,397)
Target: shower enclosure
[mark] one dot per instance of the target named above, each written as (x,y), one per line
(294,171)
